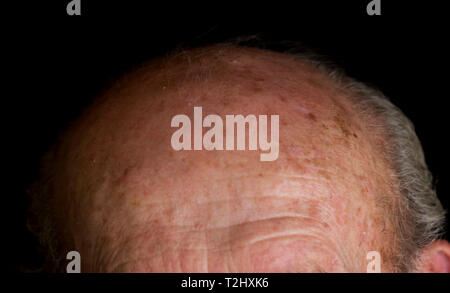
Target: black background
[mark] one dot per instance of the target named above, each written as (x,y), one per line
(60,62)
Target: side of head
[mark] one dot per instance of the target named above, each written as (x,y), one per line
(350,176)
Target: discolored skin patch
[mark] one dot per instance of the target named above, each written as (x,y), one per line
(342,126)
(144,207)
(312,117)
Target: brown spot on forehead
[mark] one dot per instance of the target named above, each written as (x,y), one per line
(343,125)
(312,117)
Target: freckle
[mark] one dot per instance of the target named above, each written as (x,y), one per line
(342,125)
(257,89)
(325,225)
(324,174)
(282,98)
(312,117)
(260,174)
(355,135)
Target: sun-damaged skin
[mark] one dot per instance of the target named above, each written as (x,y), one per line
(133,204)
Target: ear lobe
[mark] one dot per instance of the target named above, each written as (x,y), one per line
(436,258)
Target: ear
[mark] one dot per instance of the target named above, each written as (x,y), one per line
(436,258)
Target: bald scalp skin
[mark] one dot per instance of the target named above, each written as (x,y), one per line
(133,204)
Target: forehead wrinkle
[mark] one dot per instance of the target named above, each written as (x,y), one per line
(231,207)
(171,209)
(241,234)
(228,245)
(214,212)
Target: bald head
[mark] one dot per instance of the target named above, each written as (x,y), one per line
(127,201)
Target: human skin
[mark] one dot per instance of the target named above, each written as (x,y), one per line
(130,203)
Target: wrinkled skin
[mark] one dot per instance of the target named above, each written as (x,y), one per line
(133,204)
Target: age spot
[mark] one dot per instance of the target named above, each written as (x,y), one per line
(312,117)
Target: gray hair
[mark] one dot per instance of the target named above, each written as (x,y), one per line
(419,217)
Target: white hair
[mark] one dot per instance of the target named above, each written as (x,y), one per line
(419,217)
